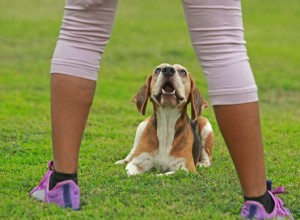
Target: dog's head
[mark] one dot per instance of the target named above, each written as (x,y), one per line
(170,85)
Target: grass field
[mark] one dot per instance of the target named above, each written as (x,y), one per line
(142,38)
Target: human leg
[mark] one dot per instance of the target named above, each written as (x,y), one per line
(71,99)
(240,127)
(216,31)
(84,34)
(220,46)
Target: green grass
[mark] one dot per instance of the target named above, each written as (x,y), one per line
(142,38)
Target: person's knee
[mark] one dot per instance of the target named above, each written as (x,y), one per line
(231,83)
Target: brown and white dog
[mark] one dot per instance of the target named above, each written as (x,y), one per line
(169,140)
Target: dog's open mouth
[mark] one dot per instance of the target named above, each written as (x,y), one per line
(168,89)
(168,95)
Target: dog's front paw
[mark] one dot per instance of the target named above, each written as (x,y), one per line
(120,162)
(166,174)
(204,163)
(132,169)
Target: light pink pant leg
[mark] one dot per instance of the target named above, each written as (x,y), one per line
(217,34)
(84,33)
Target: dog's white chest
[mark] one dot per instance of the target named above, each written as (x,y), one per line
(166,122)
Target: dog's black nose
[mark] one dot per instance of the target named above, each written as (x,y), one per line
(168,71)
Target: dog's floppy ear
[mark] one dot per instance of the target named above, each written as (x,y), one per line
(197,101)
(141,98)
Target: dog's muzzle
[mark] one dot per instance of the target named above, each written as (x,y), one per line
(169,94)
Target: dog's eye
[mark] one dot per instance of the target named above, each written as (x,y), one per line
(182,72)
(157,70)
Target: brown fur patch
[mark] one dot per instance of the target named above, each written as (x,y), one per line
(149,141)
(202,122)
(183,142)
(141,98)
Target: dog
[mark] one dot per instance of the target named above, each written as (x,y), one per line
(169,140)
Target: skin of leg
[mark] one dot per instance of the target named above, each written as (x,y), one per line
(241,130)
(84,33)
(71,99)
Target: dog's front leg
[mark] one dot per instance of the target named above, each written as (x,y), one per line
(174,170)
(139,164)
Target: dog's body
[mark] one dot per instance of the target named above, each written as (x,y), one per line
(169,140)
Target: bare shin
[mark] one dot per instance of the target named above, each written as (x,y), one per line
(241,129)
(71,99)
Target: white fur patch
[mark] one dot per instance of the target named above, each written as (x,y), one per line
(205,161)
(166,121)
(206,130)
(140,164)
